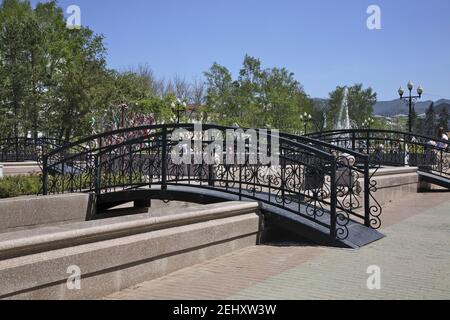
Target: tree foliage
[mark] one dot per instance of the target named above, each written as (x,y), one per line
(257,98)
(54,80)
(434,119)
(444,119)
(49,72)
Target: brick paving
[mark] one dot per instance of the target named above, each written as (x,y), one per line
(414,260)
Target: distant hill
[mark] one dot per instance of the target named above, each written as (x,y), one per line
(442,101)
(395,107)
(320,104)
(442,105)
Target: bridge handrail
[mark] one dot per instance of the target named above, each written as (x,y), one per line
(351,131)
(184,126)
(145,138)
(325,144)
(26,148)
(429,154)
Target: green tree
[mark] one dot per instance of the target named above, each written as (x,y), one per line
(414,120)
(429,124)
(133,90)
(444,119)
(257,98)
(49,73)
(19,40)
(79,69)
(285,101)
(159,107)
(221,106)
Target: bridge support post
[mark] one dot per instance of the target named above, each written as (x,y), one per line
(333,200)
(99,165)
(211,175)
(366,193)
(17,148)
(353,141)
(368,142)
(164,159)
(97,175)
(240,182)
(45,175)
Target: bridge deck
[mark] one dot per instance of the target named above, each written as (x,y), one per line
(291,216)
(434,179)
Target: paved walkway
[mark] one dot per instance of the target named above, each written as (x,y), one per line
(414,260)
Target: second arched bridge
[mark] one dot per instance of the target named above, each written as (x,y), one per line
(393,148)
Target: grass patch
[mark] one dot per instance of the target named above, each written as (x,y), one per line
(17,186)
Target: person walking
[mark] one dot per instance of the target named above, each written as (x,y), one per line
(443,136)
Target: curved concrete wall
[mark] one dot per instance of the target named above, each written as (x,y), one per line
(117,253)
(29,212)
(20,168)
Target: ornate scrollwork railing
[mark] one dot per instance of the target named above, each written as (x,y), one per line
(20,149)
(356,173)
(320,182)
(393,148)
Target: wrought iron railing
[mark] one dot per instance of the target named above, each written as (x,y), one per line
(362,172)
(313,179)
(20,149)
(393,148)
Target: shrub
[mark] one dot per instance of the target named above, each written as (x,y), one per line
(19,186)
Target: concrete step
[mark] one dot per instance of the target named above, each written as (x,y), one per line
(114,254)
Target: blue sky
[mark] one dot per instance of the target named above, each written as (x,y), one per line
(324,42)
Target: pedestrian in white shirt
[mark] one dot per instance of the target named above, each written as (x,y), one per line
(443,136)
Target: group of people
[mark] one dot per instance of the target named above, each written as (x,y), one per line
(443,136)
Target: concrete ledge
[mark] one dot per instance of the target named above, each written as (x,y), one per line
(396,180)
(114,264)
(45,239)
(37,210)
(394,171)
(21,164)
(393,186)
(20,168)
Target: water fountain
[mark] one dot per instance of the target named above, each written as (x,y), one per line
(343,121)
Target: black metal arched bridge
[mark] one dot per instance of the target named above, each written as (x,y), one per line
(323,187)
(323,191)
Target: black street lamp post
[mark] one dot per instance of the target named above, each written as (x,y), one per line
(179,106)
(306,118)
(410,100)
(368,123)
(123,109)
